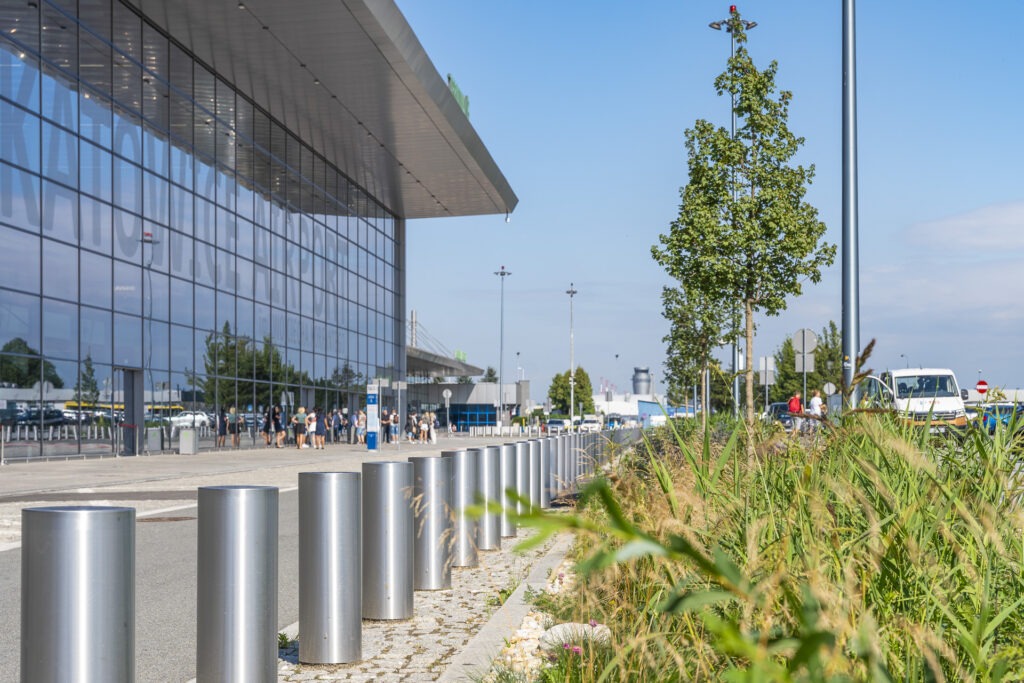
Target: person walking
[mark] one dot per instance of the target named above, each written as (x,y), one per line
(299,426)
(816,410)
(321,429)
(311,427)
(394,426)
(361,427)
(796,410)
(222,428)
(279,430)
(268,427)
(385,433)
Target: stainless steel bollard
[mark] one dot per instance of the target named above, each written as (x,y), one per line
(488,491)
(388,555)
(523,476)
(560,464)
(432,512)
(236,635)
(330,568)
(545,473)
(464,467)
(78,594)
(535,474)
(507,481)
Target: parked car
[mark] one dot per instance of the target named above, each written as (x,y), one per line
(190,419)
(557,426)
(590,424)
(46,417)
(1009,415)
(779,412)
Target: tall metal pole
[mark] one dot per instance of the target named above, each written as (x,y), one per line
(730,26)
(850,258)
(572,360)
(501,345)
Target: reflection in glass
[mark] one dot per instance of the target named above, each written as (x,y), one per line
(96,334)
(127,340)
(60,270)
(19,259)
(19,322)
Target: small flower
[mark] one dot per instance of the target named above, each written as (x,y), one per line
(576,650)
(593,623)
(565,646)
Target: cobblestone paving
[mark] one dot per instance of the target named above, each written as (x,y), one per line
(420,648)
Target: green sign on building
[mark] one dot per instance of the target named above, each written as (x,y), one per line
(462,99)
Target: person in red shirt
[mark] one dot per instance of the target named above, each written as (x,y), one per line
(796,409)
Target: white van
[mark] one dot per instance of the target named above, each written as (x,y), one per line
(920,395)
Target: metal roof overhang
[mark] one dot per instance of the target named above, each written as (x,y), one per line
(420,363)
(351,79)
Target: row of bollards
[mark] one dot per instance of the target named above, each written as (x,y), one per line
(367,541)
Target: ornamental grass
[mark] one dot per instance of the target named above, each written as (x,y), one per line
(870,552)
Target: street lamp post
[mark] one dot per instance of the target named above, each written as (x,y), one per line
(572,359)
(501,344)
(730,25)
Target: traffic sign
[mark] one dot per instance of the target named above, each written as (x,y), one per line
(805,341)
(981,387)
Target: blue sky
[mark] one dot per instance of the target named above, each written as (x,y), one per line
(583,105)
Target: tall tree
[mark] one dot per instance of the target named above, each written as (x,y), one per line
(744,233)
(26,368)
(559,393)
(696,325)
(490,376)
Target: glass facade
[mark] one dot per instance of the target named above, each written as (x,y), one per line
(152,218)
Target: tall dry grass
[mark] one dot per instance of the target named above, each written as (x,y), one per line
(878,553)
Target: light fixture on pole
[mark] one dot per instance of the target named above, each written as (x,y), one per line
(730,25)
(572,359)
(501,345)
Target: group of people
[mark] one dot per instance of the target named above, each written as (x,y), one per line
(422,428)
(816,410)
(309,428)
(230,423)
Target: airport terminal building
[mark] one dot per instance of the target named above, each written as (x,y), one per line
(203,204)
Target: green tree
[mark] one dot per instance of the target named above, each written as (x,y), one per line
(696,325)
(87,389)
(490,376)
(559,393)
(744,233)
(828,365)
(26,368)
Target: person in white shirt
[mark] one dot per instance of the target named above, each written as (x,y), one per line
(815,409)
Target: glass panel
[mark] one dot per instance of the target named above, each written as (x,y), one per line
(96,171)
(97,220)
(127,288)
(127,236)
(20,195)
(19,323)
(158,292)
(181,348)
(181,210)
(60,212)
(19,133)
(127,186)
(19,259)
(156,199)
(205,263)
(226,270)
(60,270)
(60,329)
(181,254)
(225,311)
(96,281)
(181,301)
(243,277)
(205,307)
(158,339)
(127,340)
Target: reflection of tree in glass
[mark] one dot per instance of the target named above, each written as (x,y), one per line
(87,390)
(24,370)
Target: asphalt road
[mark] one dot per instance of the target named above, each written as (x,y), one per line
(165,595)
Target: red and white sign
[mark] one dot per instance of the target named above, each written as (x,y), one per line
(981,387)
